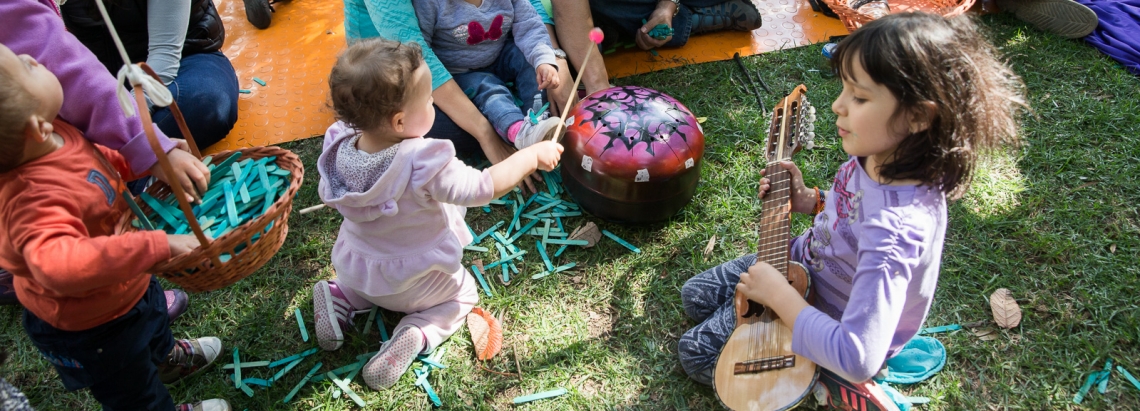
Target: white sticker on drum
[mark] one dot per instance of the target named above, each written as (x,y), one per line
(570,121)
(588,163)
(642,176)
(689,163)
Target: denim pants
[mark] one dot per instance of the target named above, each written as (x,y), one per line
(488,89)
(206,91)
(118,360)
(621,19)
(445,128)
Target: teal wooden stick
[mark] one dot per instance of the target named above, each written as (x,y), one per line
(475,248)
(231,208)
(247,364)
(562,249)
(382,328)
(567,242)
(429,361)
(302,383)
(522,231)
(160,208)
(344,386)
(301,325)
(146,223)
(505,260)
(257,381)
(1128,376)
(297,356)
(431,394)
(259,81)
(539,396)
(371,317)
(484,234)
(421,376)
(941,329)
(1080,396)
(277,377)
(545,235)
(244,388)
(482,282)
(237,369)
(1102,385)
(545,258)
(614,237)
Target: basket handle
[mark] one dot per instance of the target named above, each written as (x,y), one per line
(164,161)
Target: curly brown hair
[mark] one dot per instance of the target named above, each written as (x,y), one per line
(17,105)
(370,81)
(930,60)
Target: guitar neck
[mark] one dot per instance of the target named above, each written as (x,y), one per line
(774,224)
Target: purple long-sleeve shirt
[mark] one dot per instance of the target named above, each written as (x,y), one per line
(33,27)
(873,255)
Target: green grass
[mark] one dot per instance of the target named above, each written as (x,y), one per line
(1055,221)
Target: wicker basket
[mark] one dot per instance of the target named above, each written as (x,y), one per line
(203,268)
(853,19)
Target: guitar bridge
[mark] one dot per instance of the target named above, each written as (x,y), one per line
(764,364)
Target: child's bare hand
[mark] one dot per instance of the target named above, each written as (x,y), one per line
(547,153)
(762,283)
(803,199)
(547,76)
(181,244)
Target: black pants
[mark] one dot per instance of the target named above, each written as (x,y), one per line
(118,361)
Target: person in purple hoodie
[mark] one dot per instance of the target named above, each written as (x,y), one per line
(923,96)
(403,199)
(35,28)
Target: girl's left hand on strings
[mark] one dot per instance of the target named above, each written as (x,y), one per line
(763,284)
(547,76)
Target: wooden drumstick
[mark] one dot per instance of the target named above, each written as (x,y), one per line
(596,36)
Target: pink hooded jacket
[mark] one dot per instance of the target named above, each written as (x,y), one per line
(410,223)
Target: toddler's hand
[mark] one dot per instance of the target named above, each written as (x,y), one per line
(803,199)
(547,76)
(547,153)
(181,244)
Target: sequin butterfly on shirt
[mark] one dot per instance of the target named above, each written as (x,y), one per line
(477,34)
(843,203)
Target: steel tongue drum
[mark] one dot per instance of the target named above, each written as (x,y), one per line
(633,155)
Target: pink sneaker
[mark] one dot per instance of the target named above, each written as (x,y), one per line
(333,313)
(384,369)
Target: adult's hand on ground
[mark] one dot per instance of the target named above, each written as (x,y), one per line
(662,15)
(189,172)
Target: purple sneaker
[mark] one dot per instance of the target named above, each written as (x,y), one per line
(7,290)
(176,303)
(332,312)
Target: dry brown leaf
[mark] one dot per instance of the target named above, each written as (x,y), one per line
(588,232)
(486,333)
(986,334)
(1007,314)
(710,246)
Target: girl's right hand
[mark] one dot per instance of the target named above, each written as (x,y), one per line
(803,199)
(181,244)
(547,154)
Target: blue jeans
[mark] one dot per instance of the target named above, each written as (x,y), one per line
(621,19)
(488,90)
(445,128)
(206,90)
(118,361)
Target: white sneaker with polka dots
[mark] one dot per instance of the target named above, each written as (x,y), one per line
(393,359)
